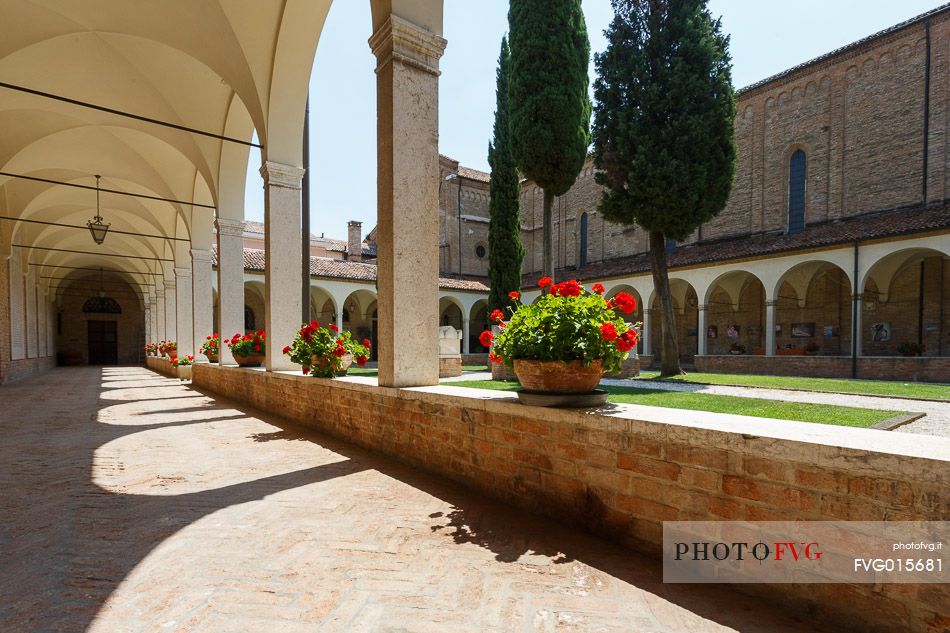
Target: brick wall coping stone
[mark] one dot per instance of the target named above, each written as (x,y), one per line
(833,445)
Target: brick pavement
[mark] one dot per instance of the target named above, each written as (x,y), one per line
(133,503)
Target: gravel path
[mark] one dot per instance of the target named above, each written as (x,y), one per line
(936,422)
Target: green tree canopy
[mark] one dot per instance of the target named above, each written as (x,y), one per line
(550,107)
(505,252)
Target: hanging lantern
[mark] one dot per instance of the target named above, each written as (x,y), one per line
(96,226)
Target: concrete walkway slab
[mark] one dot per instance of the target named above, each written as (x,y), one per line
(134,503)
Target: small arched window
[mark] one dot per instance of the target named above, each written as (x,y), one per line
(582,259)
(796,192)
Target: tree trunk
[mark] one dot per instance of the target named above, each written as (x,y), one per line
(669,349)
(547,265)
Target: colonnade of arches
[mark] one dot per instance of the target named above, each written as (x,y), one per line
(806,304)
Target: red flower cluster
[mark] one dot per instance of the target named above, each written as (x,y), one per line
(627,340)
(333,327)
(569,288)
(247,344)
(486,338)
(544,282)
(598,288)
(307,331)
(514,295)
(608,331)
(367,344)
(493,357)
(497,316)
(361,360)
(624,301)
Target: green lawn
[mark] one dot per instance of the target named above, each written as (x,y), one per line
(372,371)
(923,391)
(822,414)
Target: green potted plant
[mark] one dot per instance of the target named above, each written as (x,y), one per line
(182,364)
(566,340)
(248,349)
(909,349)
(211,347)
(326,352)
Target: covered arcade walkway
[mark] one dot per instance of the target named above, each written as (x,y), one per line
(139,504)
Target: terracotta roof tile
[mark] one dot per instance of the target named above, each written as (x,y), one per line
(341,269)
(877,225)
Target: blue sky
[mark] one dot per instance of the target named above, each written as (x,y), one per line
(766,38)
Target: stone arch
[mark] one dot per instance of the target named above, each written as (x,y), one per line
(357,313)
(686,306)
(813,309)
(735,307)
(451,312)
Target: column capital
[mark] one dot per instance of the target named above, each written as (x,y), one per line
(771,304)
(281,175)
(702,307)
(182,272)
(858,297)
(169,284)
(400,40)
(201,255)
(227,226)
(159,293)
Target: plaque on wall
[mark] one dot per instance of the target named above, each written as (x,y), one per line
(881,332)
(803,330)
(828,330)
(712,331)
(732,332)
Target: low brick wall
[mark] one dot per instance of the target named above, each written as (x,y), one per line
(621,475)
(162,365)
(915,369)
(13,370)
(474,359)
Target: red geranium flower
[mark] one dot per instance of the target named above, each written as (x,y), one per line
(306,369)
(366,343)
(608,331)
(493,357)
(598,288)
(486,338)
(626,302)
(514,295)
(627,341)
(568,288)
(361,360)
(497,316)
(314,325)
(287,349)
(333,327)
(339,351)
(544,282)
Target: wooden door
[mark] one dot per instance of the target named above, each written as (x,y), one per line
(103,343)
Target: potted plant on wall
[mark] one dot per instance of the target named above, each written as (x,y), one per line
(248,349)
(167,348)
(182,365)
(910,349)
(211,347)
(737,349)
(326,352)
(565,341)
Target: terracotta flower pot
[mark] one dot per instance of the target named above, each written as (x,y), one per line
(557,376)
(212,357)
(322,361)
(250,360)
(184,372)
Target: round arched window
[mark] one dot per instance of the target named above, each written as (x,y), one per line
(480,251)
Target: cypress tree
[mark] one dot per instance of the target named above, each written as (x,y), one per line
(505,251)
(663,134)
(550,107)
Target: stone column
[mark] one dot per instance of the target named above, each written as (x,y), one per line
(339,319)
(857,328)
(230,283)
(646,333)
(32,345)
(202,298)
(171,317)
(407,106)
(701,330)
(283,276)
(185,322)
(770,327)
(153,320)
(160,315)
(466,328)
(148,322)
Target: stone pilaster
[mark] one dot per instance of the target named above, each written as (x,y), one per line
(407,93)
(148,320)
(466,329)
(230,282)
(647,332)
(282,272)
(32,345)
(160,315)
(857,327)
(185,322)
(171,311)
(202,299)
